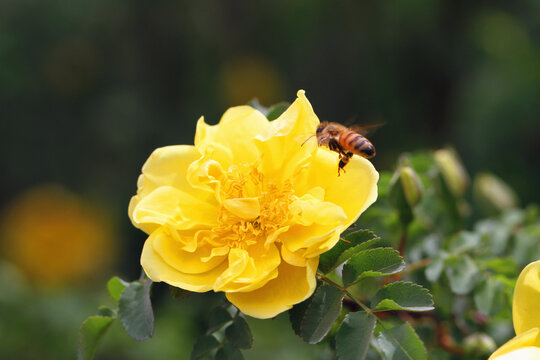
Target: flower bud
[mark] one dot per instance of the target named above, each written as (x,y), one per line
(412,186)
(479,343)
(453,172)
(493,194)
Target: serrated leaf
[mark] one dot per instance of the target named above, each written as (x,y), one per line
(135,310)
(203,345)
(178,293)
(276,110)
(354,336)
(462,275)
(344,250)
(90,334)
(321,313)
(218,317)
(229,352)
(402,295)
(488,297)
(372,263)
(401,343)
(296,315)
(115,286)
(239,334)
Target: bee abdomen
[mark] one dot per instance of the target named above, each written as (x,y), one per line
(357,144)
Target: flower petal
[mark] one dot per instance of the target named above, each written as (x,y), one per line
(353,191)
(158,270)
(245,208)
(166,245)
(282,142)
(293,285)
(525,309)
(168,205)
(524,340)
(524,353)
(234,133)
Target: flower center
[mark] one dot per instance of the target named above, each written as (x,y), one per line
(253,209)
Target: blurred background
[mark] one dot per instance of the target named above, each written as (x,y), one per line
(89,89)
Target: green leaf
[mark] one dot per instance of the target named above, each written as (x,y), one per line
(344,250)
(135,310)
(276,110)
(321,313)
(488,298)
(372,263)
(464,241)
(203,345)
(239,334)
(402,295)
(178,293)
(90,334)
(435,268)
(229,352)
(401,343)
(106,311)
(218,317)
(354,336)
(115,286)
(462,275)
(296,315)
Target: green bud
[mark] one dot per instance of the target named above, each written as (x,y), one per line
(412,186)
(493,194)
(479,343)
(453,172)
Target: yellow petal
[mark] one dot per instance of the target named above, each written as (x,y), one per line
(308,210)
(314,239)
(525,353)
(283,155)
(245,208)
(167,246)
(526,339)
(168,205)
(525,308)
(293,285)
(249,269)
(158,270)
(235,132)
(354,191)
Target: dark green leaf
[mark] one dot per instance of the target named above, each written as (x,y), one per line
(372,263)
(488,298)
(321,313)
(115,286)
(135,310)
(229,352)
(276,110)
(239,334)
(203,345)
(343,250)
(105,311)
(402,295)
(401,343)
(462,275)
(178,293)
(296,315)
(91,333)
(218,317)
(354,336)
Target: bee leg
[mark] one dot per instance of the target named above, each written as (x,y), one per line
(343,160)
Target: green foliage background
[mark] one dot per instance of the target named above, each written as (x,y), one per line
(89,89)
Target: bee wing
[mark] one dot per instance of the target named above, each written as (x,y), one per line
(366,129)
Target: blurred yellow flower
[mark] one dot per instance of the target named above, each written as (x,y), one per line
(248,210)
(54,237)
(526,315)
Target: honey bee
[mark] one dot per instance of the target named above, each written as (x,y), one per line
(345,141)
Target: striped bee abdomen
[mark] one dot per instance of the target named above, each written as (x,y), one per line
(357,144)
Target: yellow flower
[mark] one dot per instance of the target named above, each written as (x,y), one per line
(526,315)
(56,238)
(248,209)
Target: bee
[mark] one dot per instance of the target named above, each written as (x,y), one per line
(345,141)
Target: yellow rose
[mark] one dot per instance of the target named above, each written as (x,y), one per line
(248,209)
(526,315)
